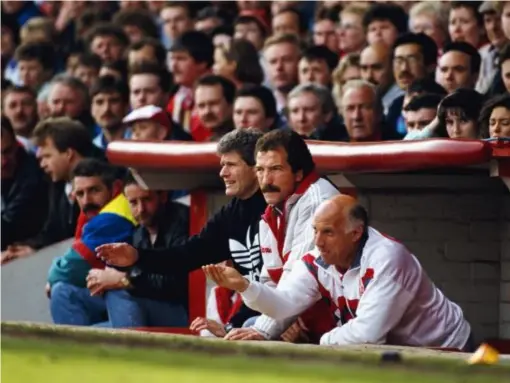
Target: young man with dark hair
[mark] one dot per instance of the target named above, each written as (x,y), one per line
(289,20)
(177,18)
(107,41)
(419,113)
(325,28)
(110,103)
(62,143)
(384,23)
(147,49)
(191,56)
(87,68)
(149,84)
(255,107)
(252,27)
(136,24)
(211,17)
(36,63)
(459,66)
(316,65)
(214,98)
(24,192)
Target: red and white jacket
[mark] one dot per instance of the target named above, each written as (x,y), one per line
(285,236)
(384,297)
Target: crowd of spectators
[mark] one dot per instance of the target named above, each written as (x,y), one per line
(78,75)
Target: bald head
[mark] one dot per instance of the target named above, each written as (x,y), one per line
(344,210)
(375,64)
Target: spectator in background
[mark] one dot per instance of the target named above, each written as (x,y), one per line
(117,69)
(255,107)
(20,108)
(348,69)
(504,62)
(62,143)
(316,65)
(214,98)
(136,24)
(420,112)
(495,117)
(43,109)
(459,113)
(238,62)
(149,84)
(222,36)
(191,56)
(147,49)
(466,23)
(431,18)
(21,10)
(459,66)
(36,63)
(310,110)
(110,103)
(289,21)
(351,35)
(384,23)
(107,41)
(375,67)
(152,123)
(282,56)
(69,97)
(324,28)
(38,30)
(252,27)
(87,68)
(504,11)
(177,19)
(10,40)
(210,18)
(362,112)
(24,192)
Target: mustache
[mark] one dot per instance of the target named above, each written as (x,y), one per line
(404,74)
(270,188)
(209,117)
(90,207)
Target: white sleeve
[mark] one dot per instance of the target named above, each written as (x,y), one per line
(295,294)
(380,309)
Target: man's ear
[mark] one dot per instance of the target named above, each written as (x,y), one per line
(357,233)
(298,177)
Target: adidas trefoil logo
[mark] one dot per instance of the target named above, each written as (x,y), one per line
(246,256)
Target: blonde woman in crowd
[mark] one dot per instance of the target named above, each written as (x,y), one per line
(348,69)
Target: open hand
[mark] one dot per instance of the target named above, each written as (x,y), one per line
(212,326)
(227,277)
(117,254)
(244,334)
(16,251)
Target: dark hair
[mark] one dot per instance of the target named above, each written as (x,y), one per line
(242,141)
(222,30)
(159,49)
(92,167)
(89,60)
(244,54)
(504,54)
(107,29)
(303,26)
(426,85)
(129,179)
(427,45)
(387,12)
(139,18)
(466,48)
(423,101)
(298,154)
(165,78)
(197,44)
(228,88)
(19,89)
(6,127)
(328,13)
(213,12)
(359,213)
(91,17)
(110,84)
(42,52)
(120,66)
(182,4)
(499,101)
(472,5)
(320,52)
(9,21)
(247,19)
(261,93)
(65,134)
(465,102)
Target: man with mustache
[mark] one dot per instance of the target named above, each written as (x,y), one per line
(110,103)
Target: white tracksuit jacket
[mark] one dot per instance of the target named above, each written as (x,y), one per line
(385,297)
(284,241)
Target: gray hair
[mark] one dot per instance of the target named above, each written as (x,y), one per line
(322,93)
(431,8)
(358,84)
(73,83)
(241,141)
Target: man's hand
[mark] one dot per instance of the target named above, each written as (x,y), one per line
(244,334)
(16,251)
(296,333)
(47,289)
(214,327)
(117,254)
(226,277)
(99,281)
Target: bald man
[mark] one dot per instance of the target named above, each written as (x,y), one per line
(375,64)
(377,290)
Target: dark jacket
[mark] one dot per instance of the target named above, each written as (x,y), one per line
(25,201)
(61,221)
(173,230)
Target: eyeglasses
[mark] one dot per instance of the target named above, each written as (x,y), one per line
(411,60)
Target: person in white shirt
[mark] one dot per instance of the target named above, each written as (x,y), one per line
(377,289)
